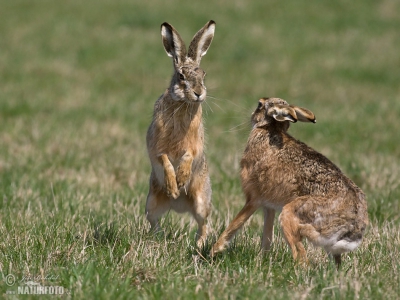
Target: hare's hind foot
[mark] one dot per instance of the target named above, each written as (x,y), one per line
(202,231)
(201,235)
(201,211)
(338,260)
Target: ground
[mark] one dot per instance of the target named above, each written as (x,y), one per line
(78,83)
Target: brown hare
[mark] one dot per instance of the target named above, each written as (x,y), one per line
(179,178)
(318,201)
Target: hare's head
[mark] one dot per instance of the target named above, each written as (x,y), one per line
(278,112)
(188,80)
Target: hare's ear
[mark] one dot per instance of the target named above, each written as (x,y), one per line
(173,43)
(201,42)
(282,113)
(304,114)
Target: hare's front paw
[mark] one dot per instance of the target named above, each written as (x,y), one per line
(171,187)
(183,175)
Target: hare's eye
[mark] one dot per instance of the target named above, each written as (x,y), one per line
(259,105)
(181,76)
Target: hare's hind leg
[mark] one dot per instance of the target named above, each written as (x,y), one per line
(201,210)
(234,226)
(268,234)
(156,205)
(291,227)
(202,231)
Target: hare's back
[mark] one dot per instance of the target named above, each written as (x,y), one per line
(314,173)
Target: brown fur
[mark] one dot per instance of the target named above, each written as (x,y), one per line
(279,172)
(179,178)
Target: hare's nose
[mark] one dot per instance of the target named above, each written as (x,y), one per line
(197,95)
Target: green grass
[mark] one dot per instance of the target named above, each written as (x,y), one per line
(78,82)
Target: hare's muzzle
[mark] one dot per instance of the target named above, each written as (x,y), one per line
(199,97)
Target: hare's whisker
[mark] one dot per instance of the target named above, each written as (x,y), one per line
(230,101)
(215,105)
(238,127)
(206,102)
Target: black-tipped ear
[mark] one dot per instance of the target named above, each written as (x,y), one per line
(201,42)
(304,114)
(282,113)
(173,43)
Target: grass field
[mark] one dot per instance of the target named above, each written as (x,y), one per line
(78,80)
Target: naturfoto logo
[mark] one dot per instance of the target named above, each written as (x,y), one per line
(29,285)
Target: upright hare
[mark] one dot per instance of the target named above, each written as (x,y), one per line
(179,178)
(318,201)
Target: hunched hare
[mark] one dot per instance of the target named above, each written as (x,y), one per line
(179,178)
(318,201)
